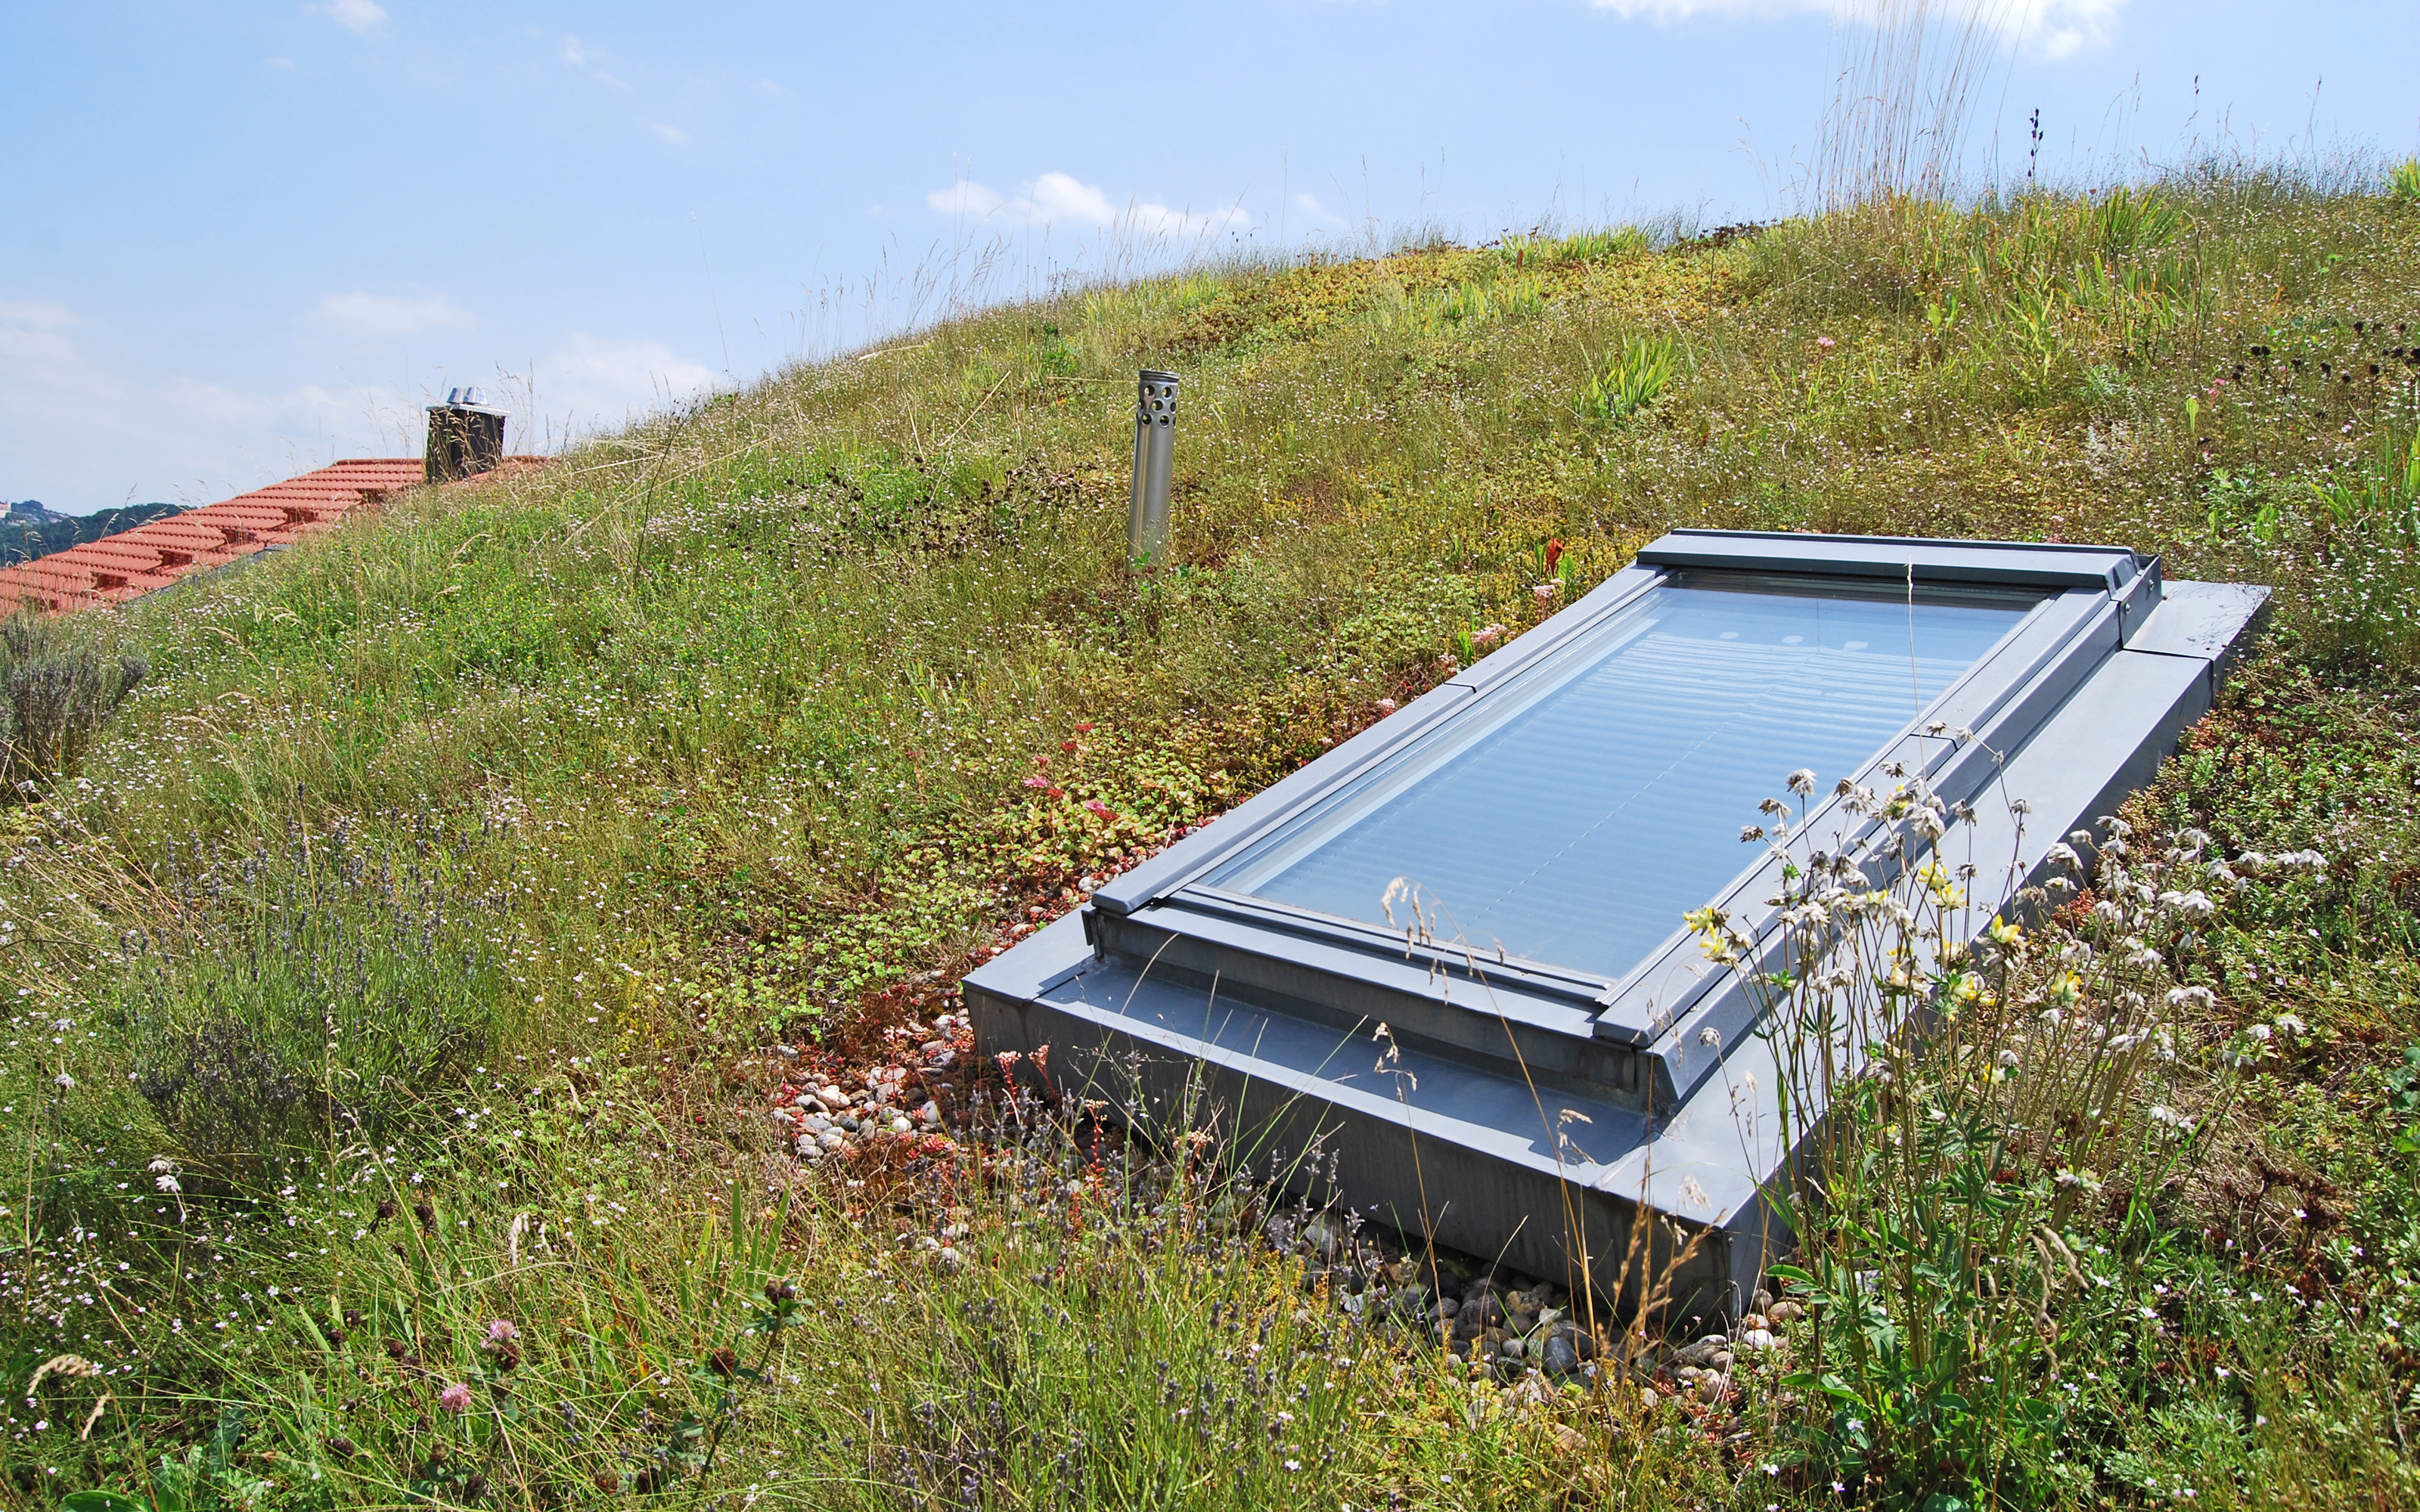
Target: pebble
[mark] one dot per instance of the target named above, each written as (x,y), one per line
(1756,1339)
(1711,1386)
(1560,1358)
(1649,1398)
(1785,1312)
(1701,1351)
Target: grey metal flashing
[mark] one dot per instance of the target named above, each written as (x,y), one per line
(1472,1010)
(1271,1008)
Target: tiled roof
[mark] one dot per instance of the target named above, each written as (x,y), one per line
(134,563)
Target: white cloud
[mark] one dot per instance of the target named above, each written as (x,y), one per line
(35,315)
(220,405)
(285,64)
(965,198)
(1320,214)
(1059,198)
(380,317)
(363,18)
(670,133)
(596,382)
(80,438)
(2048,28)
(32,344)
(575,55)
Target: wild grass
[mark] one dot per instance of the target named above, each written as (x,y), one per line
(565,801)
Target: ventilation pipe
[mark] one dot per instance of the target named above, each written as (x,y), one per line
(465,437)
(1154,453)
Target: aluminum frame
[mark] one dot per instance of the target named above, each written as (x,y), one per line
(1530,1111)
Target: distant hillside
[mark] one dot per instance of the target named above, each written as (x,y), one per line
(28,531)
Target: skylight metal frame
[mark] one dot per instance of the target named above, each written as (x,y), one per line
(1194,928)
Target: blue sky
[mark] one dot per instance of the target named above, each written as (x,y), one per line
(242,240)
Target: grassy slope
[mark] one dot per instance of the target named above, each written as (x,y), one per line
(465,856)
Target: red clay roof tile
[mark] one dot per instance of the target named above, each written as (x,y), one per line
(136,562)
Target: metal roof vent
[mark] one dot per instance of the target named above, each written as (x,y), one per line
(1155,454)
(466,437)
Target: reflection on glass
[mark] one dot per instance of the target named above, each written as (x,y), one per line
(1575,823)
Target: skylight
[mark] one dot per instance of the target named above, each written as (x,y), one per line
(1566,801)
(1574,822)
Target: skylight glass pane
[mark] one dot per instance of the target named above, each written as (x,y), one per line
(1575,823)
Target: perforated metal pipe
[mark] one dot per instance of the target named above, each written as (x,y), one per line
(1154,453)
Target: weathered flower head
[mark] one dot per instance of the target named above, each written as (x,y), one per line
(455,1398)
(1802,783)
